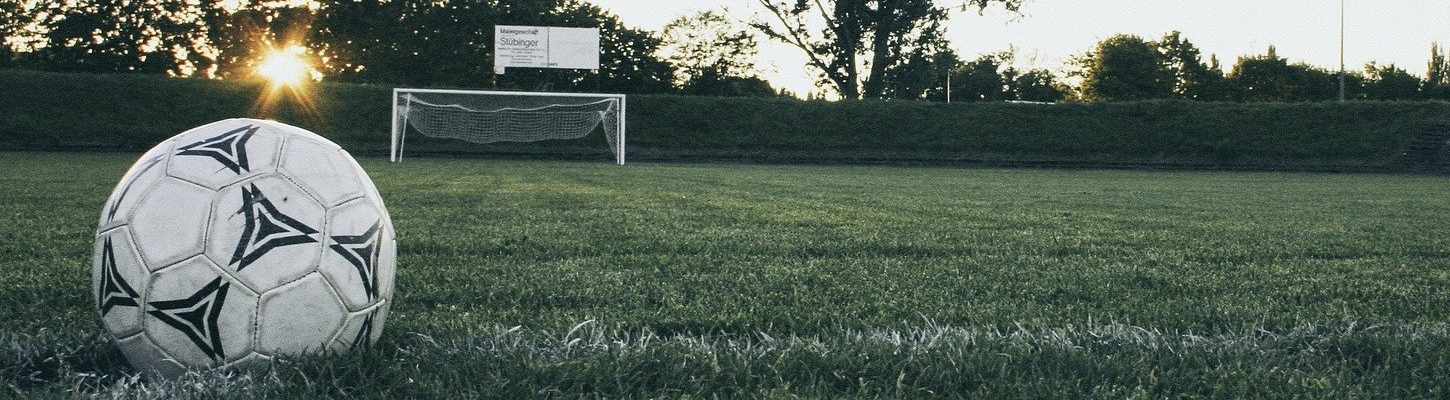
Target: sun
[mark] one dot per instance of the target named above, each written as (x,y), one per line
(285,66)
(288,71)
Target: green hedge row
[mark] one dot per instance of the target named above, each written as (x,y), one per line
(42,110)
(1156,132)
(132,112)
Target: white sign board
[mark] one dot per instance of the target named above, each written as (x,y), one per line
(545,47)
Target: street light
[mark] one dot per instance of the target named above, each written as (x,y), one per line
(1341,50)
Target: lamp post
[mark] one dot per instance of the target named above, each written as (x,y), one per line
(1341,50)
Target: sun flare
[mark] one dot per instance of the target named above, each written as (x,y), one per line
(285,66)
(288,72)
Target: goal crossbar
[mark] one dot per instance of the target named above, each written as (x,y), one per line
(483,116)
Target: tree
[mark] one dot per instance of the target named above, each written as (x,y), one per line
(713,57)
(450,42)
(1390,83)
(150,36)
(1271,78)
(1262,78)
(8,30)
(16,19)
(919,76)
(629,63)
(369,40)
(1192,78)
(1437,74)
(992,77)
(980,80)
(1125,67)
(410,42)
(1037,85)
(709,83)
(239,38)
(865,44)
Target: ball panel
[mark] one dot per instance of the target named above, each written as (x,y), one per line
(198,315)
(141,177)
(380,318)
(146,356)
(388,255)
(225,152)
(298,317)
(371,190)
(252,359)
(118,278)
(387,261)
(322,169)
(353,263)
(296,132)
(267,231)
(361,328)
(170,222)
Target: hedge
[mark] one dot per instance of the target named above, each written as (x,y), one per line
(132,112)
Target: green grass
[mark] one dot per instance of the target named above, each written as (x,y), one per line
(562,280)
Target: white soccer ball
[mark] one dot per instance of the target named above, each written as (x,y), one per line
(239,241)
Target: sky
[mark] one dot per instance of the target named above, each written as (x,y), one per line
(1050,32)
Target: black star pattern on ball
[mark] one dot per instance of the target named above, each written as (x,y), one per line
(114,289)
(196,316)
(365,333)
(229,149)
(116,206)
(266,229)
(362,252)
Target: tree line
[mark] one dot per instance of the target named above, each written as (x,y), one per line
(1127,67)
(396,42)
(896,49)
(859,49)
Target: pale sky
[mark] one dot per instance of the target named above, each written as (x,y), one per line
(1049,32)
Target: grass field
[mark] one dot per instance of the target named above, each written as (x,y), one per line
(522,279)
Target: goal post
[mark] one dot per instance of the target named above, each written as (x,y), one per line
(483,116)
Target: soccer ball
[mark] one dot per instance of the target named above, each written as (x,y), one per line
(240,241)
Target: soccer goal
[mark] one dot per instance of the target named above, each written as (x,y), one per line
(480,116)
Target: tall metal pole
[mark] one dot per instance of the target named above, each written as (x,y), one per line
(1341,50)
(949,87)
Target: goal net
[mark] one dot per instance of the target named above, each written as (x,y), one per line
(494,116)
